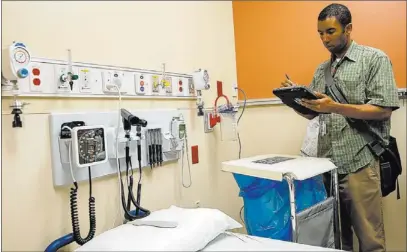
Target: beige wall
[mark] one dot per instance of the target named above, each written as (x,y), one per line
(185,36)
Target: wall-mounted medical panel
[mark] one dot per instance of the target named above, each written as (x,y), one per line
(158,143)
(49,78)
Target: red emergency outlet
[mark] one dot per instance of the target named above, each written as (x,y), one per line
(194,153)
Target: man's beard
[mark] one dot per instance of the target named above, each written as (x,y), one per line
(340,48)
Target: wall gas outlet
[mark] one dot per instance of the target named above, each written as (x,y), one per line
(143,84)
(85,77)
(36,79)
(64,86)
(167,85)
(156,85)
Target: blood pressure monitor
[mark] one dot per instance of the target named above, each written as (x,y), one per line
(89,145)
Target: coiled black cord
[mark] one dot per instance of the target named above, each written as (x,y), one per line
(74,214)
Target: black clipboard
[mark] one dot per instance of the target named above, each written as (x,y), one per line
(291,96)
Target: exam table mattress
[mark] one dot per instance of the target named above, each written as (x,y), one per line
(241,242)
(121,239)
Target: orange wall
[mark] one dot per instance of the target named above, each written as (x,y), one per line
(274,38)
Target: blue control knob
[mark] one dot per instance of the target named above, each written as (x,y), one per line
(20,44)
(142,89)
(22,73)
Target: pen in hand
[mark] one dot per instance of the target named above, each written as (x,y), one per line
(289,82)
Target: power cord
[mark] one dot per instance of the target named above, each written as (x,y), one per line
(74,207)
(117,147)
(238,120)
(189,167)
(238,138)
(75,217)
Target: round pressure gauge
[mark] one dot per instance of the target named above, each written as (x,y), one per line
(21,55)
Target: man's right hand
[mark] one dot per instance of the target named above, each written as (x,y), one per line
(287,83)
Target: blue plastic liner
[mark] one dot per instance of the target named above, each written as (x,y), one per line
(267,203)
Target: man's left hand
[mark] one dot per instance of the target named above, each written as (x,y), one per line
(324,104)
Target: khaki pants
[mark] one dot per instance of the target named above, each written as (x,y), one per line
(361,208)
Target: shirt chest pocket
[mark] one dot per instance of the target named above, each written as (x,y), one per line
(353,88)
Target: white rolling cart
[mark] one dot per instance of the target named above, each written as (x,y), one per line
(312,226)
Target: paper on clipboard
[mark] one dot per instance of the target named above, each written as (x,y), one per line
(310,145)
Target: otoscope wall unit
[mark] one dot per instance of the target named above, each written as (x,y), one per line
(57,78)
(92,138)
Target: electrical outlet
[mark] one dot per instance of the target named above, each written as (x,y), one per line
(178,87)
(35,79)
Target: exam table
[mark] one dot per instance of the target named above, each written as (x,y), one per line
(199,229)
(227,241)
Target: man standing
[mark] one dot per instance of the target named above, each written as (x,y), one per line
(365,77)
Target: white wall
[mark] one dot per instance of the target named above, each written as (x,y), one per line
(184,35)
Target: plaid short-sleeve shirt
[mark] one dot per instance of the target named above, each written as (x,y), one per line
(365,76)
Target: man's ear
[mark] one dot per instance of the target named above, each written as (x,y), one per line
(348,28)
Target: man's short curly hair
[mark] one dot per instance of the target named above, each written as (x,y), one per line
(341,12)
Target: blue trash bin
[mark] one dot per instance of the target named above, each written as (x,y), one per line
(267,203)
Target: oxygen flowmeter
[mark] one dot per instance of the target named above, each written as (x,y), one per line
(15,61)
